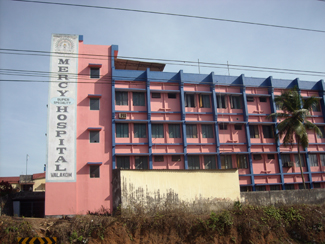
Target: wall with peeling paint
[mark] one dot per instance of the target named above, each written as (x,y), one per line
(152,187)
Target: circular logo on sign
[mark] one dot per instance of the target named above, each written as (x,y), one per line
(64,45)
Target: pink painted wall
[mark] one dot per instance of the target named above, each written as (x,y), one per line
(91,193)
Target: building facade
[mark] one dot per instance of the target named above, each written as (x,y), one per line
(107,113)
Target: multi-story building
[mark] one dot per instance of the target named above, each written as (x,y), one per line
(107,113)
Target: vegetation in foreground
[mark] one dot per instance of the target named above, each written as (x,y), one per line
(239,224)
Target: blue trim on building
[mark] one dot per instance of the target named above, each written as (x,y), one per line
(213,80)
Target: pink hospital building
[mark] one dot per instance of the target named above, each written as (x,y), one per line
(107,113)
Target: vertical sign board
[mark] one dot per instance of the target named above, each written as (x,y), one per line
(62,107)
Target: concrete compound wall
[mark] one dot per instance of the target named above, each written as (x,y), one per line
(191,187)
(313,196)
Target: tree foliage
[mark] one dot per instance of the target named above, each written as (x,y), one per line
(5,188)
(293,129)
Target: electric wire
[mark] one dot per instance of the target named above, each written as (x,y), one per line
(174,62)
(176,15)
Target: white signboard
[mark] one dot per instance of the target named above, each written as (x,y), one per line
(62,108)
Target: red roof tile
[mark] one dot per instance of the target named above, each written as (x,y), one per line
(38,176)
(11,180)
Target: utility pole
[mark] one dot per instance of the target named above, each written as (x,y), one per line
(26,162)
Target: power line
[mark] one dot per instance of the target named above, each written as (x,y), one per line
(174,14)
(174,62)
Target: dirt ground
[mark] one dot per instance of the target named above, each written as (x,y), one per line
(287,224)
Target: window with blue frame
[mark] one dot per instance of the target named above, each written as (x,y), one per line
(121,98)
(226,161)
(253,131)
(303,160)
(189,100)
(94,72)
(139,99)
(268,131)
(157,131)
(242,161)
(313,160)
(205,101)
(122,130)
(122,162)
(209,162)
(193,162)
(140,130)
(141,162)
(174,131)
(94,103)
(221,101)
(191,131)
(94,136)
(236,102)
(207,131)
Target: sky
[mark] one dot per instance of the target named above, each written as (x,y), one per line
(29,26)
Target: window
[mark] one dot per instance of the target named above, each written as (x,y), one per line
(245,189)
(290,187)
(141,162)
(257,157)
(155,95)
(316,185)
(285,158)
(138,99)
(270,156)
(278,105)
(94,171)
(323,132)
(303,160)
(242,161)
(159,158)
(221,101)
(94,103)
(191,131)
(157,131)
(253,131)
(260,188)
(236,102)
(313,160)
(223,126)
(207,131)
(193,162)
(140,131)
(176,158)
(263,99)
(94,136)
(121,98)
(238,127)
(250,99)
(316,107)
(209,162)
(205,101)
(94,73)
(123,162)
(122,130)
(301,186)
(174,131)
(189,100)
(268,131)
(172,95)
(226,162)
(275,188)
(27,187)
(322,159)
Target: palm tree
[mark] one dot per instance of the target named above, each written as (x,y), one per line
(295,123)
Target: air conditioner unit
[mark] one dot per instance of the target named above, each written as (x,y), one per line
(291,164)
(288,164)
(122,115)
